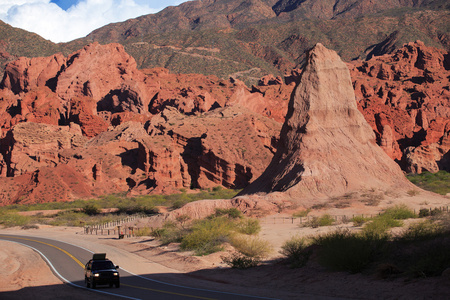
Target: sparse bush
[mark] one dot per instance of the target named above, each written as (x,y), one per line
(399,212)
(436,212)
(424,212)
(438,182)
(372,198)
(344,251)
(379,226)
(169,233)
(422,250)
(12,219)
(30,226)
(144,231)
(252,247)
(249,226)
(232,213)
(359,220)
(320,206)
(206,236)
(296,252)
(91,209)
(413,193)
(240,261)
(325,220)
(423,230)
(391,217)
(301,213)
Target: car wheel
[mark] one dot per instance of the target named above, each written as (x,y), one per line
(110,285)
(88,285)
(117,285)
(94,285)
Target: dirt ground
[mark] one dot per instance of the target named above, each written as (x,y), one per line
(24,274)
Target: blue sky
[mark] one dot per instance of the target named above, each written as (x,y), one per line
(66,20)
(65,4)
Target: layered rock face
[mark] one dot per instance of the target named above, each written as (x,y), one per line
(405,98)
(105,127)
(326,146)
(118,129)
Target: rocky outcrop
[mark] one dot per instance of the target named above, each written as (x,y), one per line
(151,131)
(326,146)
(407,91)
(25,74)
(212,149)
(30,146)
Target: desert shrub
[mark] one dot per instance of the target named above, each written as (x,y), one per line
(206,236)
(248,226)
(251,247)
(372,197)
(183,220)
(424,212)
(430,260)
(413,193)
(435,212)
(438,182)
(12,219)
(69,218)
(391,217)
(144,231)
(217,188)
(325,220)
(359,220)
(232,213)
(91,209)
(422,250)
(301,213)
(240,261)
(296,252)
(136,208)
(422,231)
(319,206)
(380,225)
(169,233)
(344,251)
(30,226)
(399,212)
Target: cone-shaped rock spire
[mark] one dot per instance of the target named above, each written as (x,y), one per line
(327,148)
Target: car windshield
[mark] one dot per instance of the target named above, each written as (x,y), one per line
(102,265)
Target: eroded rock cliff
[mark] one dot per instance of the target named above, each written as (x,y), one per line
(327,148)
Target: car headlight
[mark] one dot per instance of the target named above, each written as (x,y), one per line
(116,274)
(96,275)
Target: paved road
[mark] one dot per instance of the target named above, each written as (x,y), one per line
(67,262)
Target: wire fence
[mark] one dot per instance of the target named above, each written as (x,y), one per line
(345,218)
(116,228)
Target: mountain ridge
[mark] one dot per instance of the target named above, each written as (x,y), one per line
(250,39)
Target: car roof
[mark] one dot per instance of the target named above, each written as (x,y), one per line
(99,256)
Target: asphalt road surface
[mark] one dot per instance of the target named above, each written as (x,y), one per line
(67,262)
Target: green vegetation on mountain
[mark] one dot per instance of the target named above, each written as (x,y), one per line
(247,40)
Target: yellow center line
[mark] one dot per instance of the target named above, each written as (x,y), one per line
(56,247)
(167,292)
(132,286)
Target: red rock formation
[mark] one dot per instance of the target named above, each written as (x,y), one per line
(24,74)
(202,131)
(409,92)
(326,146)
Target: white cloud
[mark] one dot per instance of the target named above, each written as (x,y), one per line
(55,24)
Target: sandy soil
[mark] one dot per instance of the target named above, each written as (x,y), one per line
(24,274)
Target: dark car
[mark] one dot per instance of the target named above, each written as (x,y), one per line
(100,270)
